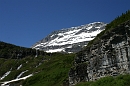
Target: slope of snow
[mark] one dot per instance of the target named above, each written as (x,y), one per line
(6,74)
(14,80)
(56,50)
(21,74)
(69,36)
(19,67)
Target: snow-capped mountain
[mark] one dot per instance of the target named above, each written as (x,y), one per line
(71,39)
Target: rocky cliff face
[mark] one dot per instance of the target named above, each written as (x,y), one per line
(109,55)
(71,39)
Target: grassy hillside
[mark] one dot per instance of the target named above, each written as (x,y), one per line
(122,80)
(117,21)
(48,69)
(54,71)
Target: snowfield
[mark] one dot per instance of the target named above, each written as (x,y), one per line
(69,36)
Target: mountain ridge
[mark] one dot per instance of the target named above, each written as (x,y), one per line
(70,39)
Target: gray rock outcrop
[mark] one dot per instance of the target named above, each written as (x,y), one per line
(109,55)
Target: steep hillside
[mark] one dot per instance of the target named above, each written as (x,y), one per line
(40,67)
(117,21)
(15,52)
(54,72)
(107,55)
(70,40)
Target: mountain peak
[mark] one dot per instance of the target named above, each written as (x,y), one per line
(70,39)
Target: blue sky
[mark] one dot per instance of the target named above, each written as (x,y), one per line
(24,22)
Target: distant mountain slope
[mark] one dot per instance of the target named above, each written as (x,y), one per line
(71,39)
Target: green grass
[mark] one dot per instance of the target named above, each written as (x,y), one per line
(121,80)
(113,24)
(54,72)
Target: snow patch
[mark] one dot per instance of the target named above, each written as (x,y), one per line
(6,74)
(14,80)
(38,65)
(70,38)
(21,74)
(88,28)
(19,67)
(56,50)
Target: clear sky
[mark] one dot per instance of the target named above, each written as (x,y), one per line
(24,22)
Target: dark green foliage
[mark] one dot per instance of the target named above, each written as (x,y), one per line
(49,69)
(117,21)
(120,19)
(52,71)
(12,51)
(121,80)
